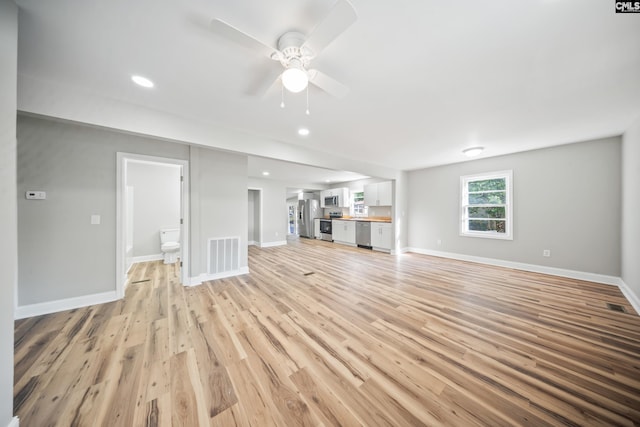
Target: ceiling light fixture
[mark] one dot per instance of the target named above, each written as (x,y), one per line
(295,78)
(265,173)
(303,131)
(142,81)
(472,151)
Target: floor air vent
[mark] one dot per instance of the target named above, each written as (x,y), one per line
(224,255)
(616,307)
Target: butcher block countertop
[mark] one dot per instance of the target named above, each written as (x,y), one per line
(365,219)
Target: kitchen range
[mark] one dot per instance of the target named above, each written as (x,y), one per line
(326,228)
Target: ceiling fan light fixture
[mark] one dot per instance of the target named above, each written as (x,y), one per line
(472,151)
(295,78)
(142,81)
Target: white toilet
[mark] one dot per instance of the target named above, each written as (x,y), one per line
(170,244)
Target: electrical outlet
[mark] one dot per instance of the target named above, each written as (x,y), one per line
(546,252)
(36,195)
(439,242)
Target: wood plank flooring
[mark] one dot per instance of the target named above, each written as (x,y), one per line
(323,334)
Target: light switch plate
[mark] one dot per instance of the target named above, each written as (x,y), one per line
(95,219)
(36,195)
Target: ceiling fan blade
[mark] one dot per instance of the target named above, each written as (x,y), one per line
(339,18)
(265,83)
(327,84)
(230,32)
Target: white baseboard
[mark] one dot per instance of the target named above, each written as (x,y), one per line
(633,299)
(271,244)
(198,280)
(48,307)
(15,422)
(146,258)
(252,243)
(572,274)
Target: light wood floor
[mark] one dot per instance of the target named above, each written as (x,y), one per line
(322,334)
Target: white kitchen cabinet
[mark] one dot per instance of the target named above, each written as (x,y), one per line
(343,232)
(379,194)
(381,236)
(316,228)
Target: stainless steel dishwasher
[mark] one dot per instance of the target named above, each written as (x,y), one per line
(363,234)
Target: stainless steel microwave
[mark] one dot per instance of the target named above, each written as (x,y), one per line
(331,201)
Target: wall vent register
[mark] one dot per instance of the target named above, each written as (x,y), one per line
(223,255)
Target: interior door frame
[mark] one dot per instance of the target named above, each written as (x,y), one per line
(123,160)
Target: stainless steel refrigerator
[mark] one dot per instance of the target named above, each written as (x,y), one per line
(308,210)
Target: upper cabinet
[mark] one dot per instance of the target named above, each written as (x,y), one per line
(379,194)
(335,198)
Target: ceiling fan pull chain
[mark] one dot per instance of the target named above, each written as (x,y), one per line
(308,101)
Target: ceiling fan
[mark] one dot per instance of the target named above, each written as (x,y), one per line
(296,50)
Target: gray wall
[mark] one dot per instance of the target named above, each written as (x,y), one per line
(274,209)
(58,249)
(8,222)
(566,199)
(631,208)
(400,208)
(218,202)
(156,204)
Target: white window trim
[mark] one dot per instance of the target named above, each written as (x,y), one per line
(352,206)
(464,180)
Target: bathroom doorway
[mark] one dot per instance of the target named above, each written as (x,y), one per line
(151,196)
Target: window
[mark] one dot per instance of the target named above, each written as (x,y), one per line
(359,209)
(486,205)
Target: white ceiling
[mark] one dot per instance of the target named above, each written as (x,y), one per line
(427,78)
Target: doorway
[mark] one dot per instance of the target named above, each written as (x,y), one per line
(136,165)
(292,218)
(254,226)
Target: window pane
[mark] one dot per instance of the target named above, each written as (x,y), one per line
(497,212)
(498,226)
(488,198)
(488,184)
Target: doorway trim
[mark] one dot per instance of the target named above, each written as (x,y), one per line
(123,159)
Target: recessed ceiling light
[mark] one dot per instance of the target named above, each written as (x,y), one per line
(328,180)
(265,173)
(142,81)
(303,131)
(472,151)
